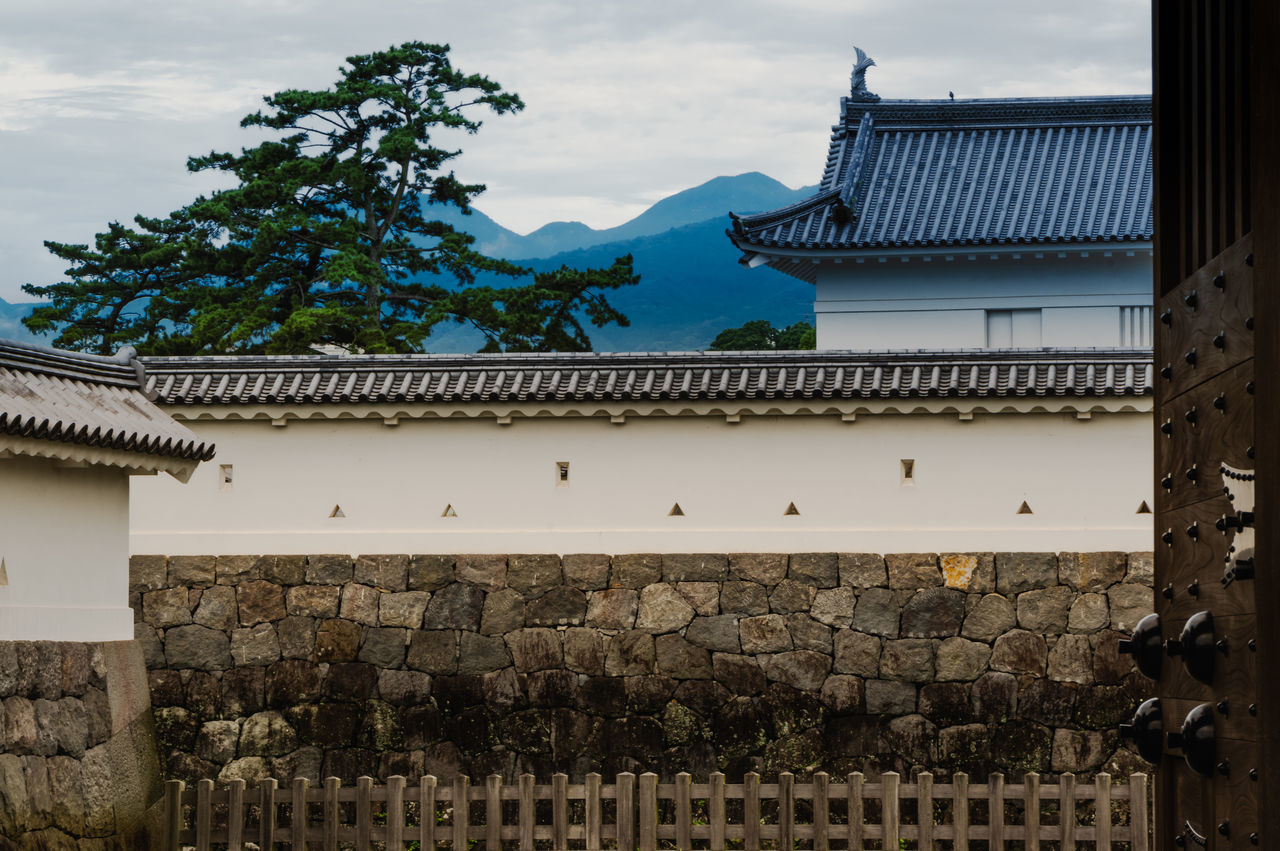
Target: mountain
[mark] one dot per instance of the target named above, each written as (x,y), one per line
(11,327)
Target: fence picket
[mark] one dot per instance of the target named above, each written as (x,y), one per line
(1067,808)
(461,811)
(173,815)
(821,812)
(1139,838)
(751,811)
(267,818)
(1031,818)
(559,811)
(591,813)
(889,808)
(298,818)
(235,815)
(853,790)
(1102,810)
(995,811)
(960,810)
(204,813)
(924,810)
(625,790)
(715,812)
(395,813)
(492,813)
(331,814)
(426,814)
(648,811)
(364,813)
(526,812)
(684,812)
(786,810)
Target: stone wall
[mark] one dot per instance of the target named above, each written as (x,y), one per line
(78,766)
(394,664)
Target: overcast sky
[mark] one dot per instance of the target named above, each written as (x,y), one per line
(627,102)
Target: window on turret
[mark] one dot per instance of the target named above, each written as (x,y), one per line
(1013,329)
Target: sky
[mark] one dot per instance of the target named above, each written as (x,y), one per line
(627,102)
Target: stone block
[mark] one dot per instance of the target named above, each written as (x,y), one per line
(1129,603)
(9,669)
(876,613)
(965,747)
(821,570)
(862,570)
(257,645)
(715,633)
(1071,660)
(992,617)
(662,609)
(481,654)
(1078,750)
(502,612)
(297,636)
(434,651)
(331,725)
(316,601)
(739,674)
(762,568)
(532,575)
(501,689)
(647,695)
(857,653)
(808,634)
(66,721)
(66,792)
(844,695)
(291,681)
(912,571)
(430,572)
(337,640)
(635,570)
(1047,702)
(403,688)
(307,763)
(945,703)
(552,688)
(1109,664)
(403,608)
(790,596)
(217,608)
(560,606)
(1021,745)
(614,608)
(197,647)
(259,601)
(584,651)
(148,573)
(1020,652)
(1091,571)
(961,659)
(888,697)
(75,668)
(456,606)
(740,597)
(282,570)
(19,718)
(586,571)
(933,613)
(253,770)
(349,681)
(764,634)
(680,659)
(994,697)
(333,569)
(191,570)
(695,567)
(383,647)
(489,572)
(629,654)
(359,604)
(218,741)
(176,728)
(535,649)
(907,660)
(1018,572)
(971,572)
(801,669)
(232,570)
(1141,568)
(703,596)
(243,691)
(834,606)
(166,607)
(1045,610)
(384,572)
(1088,613)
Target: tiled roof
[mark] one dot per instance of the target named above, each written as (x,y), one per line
(453,379)
(87,400)
(903,174)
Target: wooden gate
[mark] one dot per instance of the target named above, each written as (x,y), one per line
(1213,726)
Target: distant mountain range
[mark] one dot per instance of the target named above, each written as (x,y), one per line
(691,285)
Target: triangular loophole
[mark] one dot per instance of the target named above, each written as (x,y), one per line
(791,511)
(4,574)
(1144,508)
(1024,508)
(448,511)
(337,512)
(676,511)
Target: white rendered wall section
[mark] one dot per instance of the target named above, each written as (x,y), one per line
(64,538)
(1084,481)
(943,301)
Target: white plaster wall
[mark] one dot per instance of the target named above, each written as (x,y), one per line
(910,302)
(1083,479)
(64,538)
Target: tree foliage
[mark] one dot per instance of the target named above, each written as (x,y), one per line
(327,237)
(760,335)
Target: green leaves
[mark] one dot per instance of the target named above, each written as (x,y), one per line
(760,335)
(326,238)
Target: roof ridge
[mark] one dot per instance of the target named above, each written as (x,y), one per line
(120,368)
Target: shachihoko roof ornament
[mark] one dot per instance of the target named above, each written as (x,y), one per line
(858,80)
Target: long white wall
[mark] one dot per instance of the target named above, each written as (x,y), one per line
(1083,479)
(940,301)
(64,538)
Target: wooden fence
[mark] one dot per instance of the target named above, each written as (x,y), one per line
(648,815)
